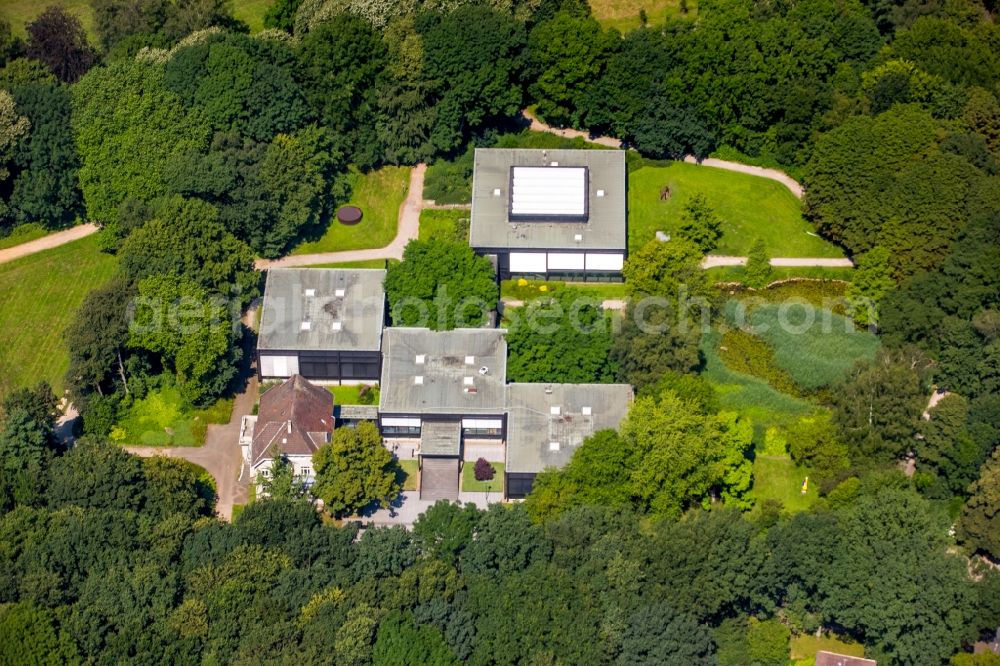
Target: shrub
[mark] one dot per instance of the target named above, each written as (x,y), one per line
(450,181)
(484,470)
(759,271)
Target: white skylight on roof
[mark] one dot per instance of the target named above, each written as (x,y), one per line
(555,411)
(337,326)
(339,293)
(587,411)
(470,360)
(420,359)
(468,381)
(600,193)
(496,191)
(418,380)
(310,292)
(578,237)
(548,191)
(553,446)
(306,326)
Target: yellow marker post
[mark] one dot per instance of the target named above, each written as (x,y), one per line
(805,486)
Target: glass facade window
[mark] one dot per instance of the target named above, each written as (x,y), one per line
(401,431)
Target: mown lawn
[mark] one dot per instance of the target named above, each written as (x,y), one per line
(624,14)
(781,479)
(749,206)
(251,12)
(409,472)
(378,194)
(351,394)
(39,297)
(805,647)
(368,263)
(163,419)
(470,485)
(22,234)
(22,12)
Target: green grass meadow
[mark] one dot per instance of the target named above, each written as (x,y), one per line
(350,394)
(22,12)
(624,14)
(39,297)
(409,471)
(368,263)
(779,478)
(470,485)
(379,195)
(163,419)
(749,206)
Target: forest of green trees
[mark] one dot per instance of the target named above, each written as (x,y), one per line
(198,146)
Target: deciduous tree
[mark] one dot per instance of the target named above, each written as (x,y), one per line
(979,526)
(57,38)
(440,285)
(355,471)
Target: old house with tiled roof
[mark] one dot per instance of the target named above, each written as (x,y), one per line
(294,419)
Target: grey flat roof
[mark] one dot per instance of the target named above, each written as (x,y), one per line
(533,428)
(354,299)
(439,359)
(440,438)
(491,228)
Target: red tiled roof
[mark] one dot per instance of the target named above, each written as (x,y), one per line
(296,416)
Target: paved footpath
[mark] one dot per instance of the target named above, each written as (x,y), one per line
(409,226)
(714,260)
(48,242)
(770,174)
(221,454)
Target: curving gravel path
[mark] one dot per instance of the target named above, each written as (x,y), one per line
(409,226)
(715,260)
(48,242)
(771,174)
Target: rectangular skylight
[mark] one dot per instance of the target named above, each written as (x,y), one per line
(310,292)
(470,360)
(418,380)
(339,293)
(306,326)
(553,446)
(554,411)
(468,381)
(587,411)
(548,191)
(337,326)
(420,359)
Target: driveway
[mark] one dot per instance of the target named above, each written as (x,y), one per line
(48,242)
(409,227)
(220,455)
